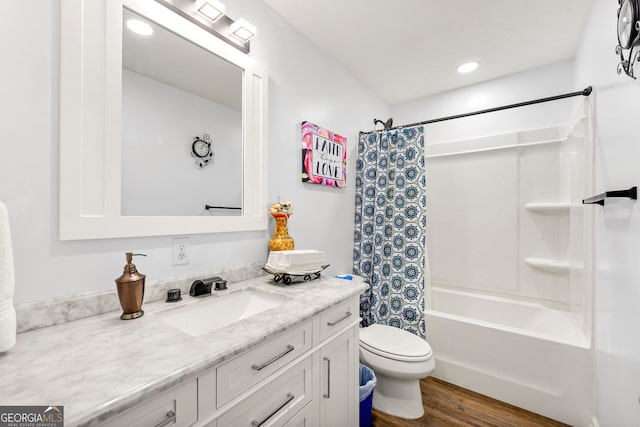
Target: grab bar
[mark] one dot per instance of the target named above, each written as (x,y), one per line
(599,199)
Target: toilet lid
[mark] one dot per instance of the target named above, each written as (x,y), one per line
(394,343)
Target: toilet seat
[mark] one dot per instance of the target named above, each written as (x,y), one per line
(394,343)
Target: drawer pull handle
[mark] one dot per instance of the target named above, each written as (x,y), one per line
(327,395)
(256,423)
(289,349)
(171,418)
(346,316)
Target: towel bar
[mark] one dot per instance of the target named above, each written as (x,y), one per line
(599,199)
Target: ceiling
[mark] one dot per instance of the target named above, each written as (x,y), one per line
(408,49)
(168,58)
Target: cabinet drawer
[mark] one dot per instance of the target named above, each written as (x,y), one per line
(275,403)
(177,407)
(239,374)
(307,417)
(339,318)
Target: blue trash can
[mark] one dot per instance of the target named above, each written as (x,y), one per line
(367,384)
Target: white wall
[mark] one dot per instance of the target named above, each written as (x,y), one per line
(159,174)
(617,225)
(304,85)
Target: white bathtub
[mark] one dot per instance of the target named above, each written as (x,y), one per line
(522,353)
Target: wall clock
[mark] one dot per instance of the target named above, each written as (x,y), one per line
(202,150)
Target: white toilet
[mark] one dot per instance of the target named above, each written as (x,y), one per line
(399,359)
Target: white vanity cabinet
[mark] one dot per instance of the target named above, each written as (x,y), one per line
(304,376)
(339,380)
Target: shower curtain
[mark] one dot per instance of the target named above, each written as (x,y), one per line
(390,222)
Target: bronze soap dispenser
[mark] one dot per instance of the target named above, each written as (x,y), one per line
(131,290)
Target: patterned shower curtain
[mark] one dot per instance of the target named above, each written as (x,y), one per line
(390,222)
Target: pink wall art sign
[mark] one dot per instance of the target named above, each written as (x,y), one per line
(324,156)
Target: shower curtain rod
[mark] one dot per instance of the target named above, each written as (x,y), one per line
(585,92)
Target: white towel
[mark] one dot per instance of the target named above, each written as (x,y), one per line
(7,285)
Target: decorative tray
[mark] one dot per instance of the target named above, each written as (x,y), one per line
(289,277)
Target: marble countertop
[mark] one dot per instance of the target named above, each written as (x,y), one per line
(101,366)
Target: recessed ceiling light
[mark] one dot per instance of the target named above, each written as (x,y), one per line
(139,27)
(468,67)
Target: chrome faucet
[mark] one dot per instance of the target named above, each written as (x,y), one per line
(203,287)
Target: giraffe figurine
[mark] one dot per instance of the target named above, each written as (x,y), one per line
(281,240)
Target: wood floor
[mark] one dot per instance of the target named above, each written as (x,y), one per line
(451,406)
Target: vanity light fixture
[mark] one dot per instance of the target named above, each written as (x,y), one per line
(211,9)
(210,15)
(139,27)
(468,67)
(243,30)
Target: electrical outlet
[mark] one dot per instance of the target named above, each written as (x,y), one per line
(181,251)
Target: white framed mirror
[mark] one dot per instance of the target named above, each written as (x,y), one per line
(129,168)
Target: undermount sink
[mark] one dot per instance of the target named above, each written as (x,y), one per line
(214,312)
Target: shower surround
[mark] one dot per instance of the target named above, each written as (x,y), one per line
(510,249)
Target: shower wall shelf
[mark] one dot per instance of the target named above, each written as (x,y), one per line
(560,267)
(599,199)
(548,207)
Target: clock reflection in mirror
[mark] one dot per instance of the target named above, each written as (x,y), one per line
(202,150)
